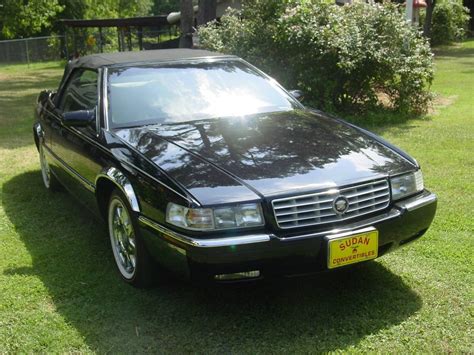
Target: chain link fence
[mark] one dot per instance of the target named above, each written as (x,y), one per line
(80,42)
(31,50)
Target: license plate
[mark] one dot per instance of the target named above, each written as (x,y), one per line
(353,248)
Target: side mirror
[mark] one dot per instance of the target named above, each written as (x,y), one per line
(44,95)
(80,118)
(297,94)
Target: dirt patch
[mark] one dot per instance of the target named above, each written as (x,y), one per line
(440,102)
(384,100)
(4,77)
(437,103)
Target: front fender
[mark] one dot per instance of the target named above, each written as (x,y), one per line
(116,177)
(38,134)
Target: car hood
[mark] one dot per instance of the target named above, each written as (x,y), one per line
(245,158)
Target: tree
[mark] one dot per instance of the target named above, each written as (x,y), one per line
(73,9)
(429,17)
(207,11)
(164,7)
(91,9)
(27,18)
(186,24)
(136,8)
(117,8)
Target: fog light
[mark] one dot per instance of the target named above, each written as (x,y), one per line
(238,275)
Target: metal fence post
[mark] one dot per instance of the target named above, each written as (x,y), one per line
(27,54)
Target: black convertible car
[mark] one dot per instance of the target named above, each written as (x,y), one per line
(202,163)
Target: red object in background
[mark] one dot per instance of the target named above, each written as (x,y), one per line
(419,4)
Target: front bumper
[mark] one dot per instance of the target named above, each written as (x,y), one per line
(271,255)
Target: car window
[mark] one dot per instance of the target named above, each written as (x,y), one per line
(191,91)
(80,92)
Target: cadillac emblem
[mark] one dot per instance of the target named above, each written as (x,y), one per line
(340,205)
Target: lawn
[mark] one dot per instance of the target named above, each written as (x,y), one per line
(59,291)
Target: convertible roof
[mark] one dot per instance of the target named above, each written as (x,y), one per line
(160,55)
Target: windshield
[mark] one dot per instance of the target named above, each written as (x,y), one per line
(192,91)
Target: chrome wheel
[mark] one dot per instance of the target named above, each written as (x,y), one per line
(45,171)
(122,237)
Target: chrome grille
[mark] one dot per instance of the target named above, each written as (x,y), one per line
(317,208)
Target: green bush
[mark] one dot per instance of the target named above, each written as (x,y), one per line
(344,58)
(450,22)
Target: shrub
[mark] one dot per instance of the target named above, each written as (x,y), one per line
(450,22)
(344,58)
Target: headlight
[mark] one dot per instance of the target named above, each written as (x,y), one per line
(405,185)
(237,216)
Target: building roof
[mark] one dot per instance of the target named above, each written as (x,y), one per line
(160,55)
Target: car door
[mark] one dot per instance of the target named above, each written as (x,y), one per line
(77,148)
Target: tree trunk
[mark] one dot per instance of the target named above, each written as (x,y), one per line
(470,5)
(428,18)
(207,11)
(186,24)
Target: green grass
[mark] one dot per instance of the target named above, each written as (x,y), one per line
(59,291)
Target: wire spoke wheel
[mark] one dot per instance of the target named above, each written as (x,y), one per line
(45,170)
(122,238)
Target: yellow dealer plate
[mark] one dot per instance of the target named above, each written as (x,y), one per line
(353,248)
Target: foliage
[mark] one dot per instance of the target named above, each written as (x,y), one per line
(450,22)
(27,18)
(73,9)
(116,8)
(40,17)
(91,9)
(344,58)
(164,7)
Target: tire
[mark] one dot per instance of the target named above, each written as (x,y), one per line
(50,181)
(134,263)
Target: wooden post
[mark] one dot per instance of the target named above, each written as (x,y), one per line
(119,39)
(140,37)
(122,39)
(101,46)
(129,38)
(66,49)
(74,44)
